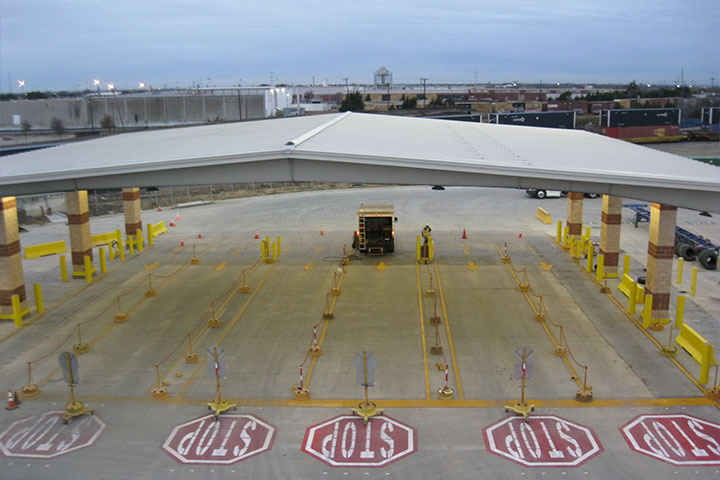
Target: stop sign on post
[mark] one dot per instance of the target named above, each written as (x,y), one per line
(346,441)
(224,441)
(47,436)
(675,438)
(545,441)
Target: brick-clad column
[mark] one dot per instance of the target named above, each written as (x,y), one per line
(575,213)
(610,232)
(661,246)
(12,280)
(131,204)
(78,215)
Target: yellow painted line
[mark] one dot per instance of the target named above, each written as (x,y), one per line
(531,249)
(381,266)
(472,266)
(227,330)
(221,266)
(309,266)
(546,266)
(322,336)
(72,295)
(422,333)
(318,250)
(386,403)
(152,265)
(238,250)
(176,250)
(447,327)
(466,249)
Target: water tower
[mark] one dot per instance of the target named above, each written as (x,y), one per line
(383,78)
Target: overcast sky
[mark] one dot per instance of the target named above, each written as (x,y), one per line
(64,44)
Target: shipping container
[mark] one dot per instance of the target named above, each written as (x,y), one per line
(653,133)
(536,119)
(640,117)
(710,116)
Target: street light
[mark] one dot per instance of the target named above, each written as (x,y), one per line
(21,83)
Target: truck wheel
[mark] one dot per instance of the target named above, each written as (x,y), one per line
(688,252)
(678,246)
(541,194)
(355,242)
(592,195)
(708,259)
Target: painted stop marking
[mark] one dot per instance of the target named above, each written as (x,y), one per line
(546,441)
(228,440)
(675,438)
(345,441)
(47,436)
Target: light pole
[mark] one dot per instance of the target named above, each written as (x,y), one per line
(423,80)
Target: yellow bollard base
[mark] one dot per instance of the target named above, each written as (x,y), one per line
(268,260)
(335,292)
(159,393)
(192,357)
(430,292)
(195,261)
(524,287)
(301,393)
(713,393)
(29,390)
(214,323)
(120,317)
(346,261)
(657,327)
(315,351)
(75,409)
(328,315)
(221,406)
(435,320)
(80,348)
(521,408)
(446,393)
(505,259)
(561,351)
(584,395)
(244,288)
(604,289)
(668,351)
(367,410)
(151,293)
(540,317)
(436,350)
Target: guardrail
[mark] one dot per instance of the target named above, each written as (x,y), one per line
(699,348)
(44,249)
(543,216)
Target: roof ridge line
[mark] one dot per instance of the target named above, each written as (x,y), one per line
(308,135)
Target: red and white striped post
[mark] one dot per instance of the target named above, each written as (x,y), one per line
(302,383)
(447,375)
(315,349)
(506,254)
(446,393)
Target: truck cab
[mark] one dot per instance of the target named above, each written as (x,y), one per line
(375,234)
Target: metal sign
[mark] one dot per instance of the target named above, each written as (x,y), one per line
(523,368)
(229,439)
(679,439)
(63,361)
(345,441)
(46,436)
(216,368)
(360,370)
(547,441)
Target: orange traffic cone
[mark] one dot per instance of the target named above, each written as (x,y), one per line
(520,234)
(177,218)
(464,235)
(182,242)
(322,232)
(172,223)
(199,234)
(159,209)
(256,234)
(11,401)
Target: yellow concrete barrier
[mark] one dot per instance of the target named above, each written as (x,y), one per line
(155,231)
(628,286)
(44,249)
(106,238)
(699,348)
(543,216)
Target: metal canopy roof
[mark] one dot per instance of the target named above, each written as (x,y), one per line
(355,147)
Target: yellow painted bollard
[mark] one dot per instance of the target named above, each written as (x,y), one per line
(590,256)
(572,245)
(279,246)
(63,268)
(431,250)
(140,241)
(262,250)
(681,262)
(131,245)
(566,233)
(632,306)
(680,311)
(418,248)
(151,237)
(16,310)
(39,306)
(693,281)
(588,233)
(559,232)
(626,265)
(88,269)
(274,252)
(267,243)
(647,311)
(103,262)
(600,274)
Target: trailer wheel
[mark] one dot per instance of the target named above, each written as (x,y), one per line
(540,194)
(678,246)
(708,259)
(688,252)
